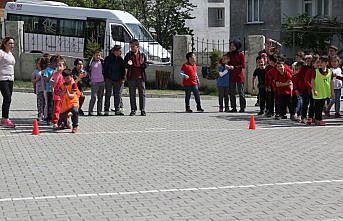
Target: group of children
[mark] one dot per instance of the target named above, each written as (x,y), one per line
(60,91)
(57,92)
(311,86)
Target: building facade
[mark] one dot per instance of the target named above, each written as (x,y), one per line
(265,17)
(212,20)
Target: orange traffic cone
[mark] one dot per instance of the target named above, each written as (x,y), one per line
(35,130)
(252,125)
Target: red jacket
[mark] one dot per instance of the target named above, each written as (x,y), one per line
(191,71)
(283,78)
(299,81)
(310,73)
(237,59)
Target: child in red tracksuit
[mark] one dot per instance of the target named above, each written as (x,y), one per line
(270,85)
(283,83)
(57,82)
(308,102)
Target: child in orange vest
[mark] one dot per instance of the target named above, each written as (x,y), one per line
(70,101)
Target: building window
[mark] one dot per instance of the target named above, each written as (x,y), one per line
(216,1)
(323,8)
(317,7)
(216,17)
(254,11)
(308,7)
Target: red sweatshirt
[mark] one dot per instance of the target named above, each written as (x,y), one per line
(271,72)
(237,59)
(283,78)
(299,81)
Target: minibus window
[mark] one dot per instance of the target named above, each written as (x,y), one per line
(120,34)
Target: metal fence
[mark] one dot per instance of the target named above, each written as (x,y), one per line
(203,48)
(76,46)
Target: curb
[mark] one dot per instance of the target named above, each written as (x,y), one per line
(87,93)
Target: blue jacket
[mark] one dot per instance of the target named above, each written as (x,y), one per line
(224,80)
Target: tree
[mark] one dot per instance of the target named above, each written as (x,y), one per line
(168,18)
(309,33)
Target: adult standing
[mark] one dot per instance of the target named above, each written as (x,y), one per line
(7,62)
(114,72)
(237,76)
(136,63)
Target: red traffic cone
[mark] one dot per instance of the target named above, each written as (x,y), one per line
(252,125)
(35,130)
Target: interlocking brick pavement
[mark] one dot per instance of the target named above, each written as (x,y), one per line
(170,165)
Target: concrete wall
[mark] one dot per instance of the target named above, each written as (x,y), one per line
(270,15)
(255,44)
(200,23)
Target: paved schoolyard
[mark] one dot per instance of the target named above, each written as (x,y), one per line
(171,165)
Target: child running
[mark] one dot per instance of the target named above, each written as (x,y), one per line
(260,73)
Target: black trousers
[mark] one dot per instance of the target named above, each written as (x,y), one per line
(285,101)
(223,95)
(270,101)
(262,95)
(307,100)
(318,109)
(6,88)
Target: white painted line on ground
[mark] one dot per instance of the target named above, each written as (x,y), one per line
(67,196)
(264,185)
(45,197)
(128,193)
(163,130)
(22,199)
(169,190)
(149,191)
(108,194)
(208,188)
(87,195)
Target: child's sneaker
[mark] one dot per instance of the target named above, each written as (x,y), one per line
(303,121)
(221,109)
(338,115)
(7,123)
(74,130)
(327,113)
(56,127)
(320,123)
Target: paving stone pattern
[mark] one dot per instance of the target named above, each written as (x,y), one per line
(170,165)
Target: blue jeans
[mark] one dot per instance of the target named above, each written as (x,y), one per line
(336,101)
(188,91)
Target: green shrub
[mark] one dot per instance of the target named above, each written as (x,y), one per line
(214,58)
